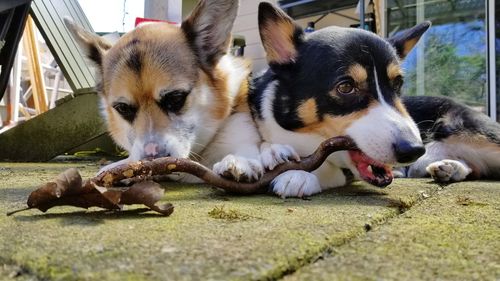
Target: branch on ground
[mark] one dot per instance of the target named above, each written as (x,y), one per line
(68,189)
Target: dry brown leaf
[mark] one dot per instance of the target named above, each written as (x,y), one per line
(69,190)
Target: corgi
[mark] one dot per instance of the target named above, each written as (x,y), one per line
(175,91)
(461,143)
(344,81)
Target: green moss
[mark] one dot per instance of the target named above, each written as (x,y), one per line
(272,237)
(219,212)
(438,238)
(466,201)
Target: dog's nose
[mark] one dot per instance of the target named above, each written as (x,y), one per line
(407,152)
(154,150)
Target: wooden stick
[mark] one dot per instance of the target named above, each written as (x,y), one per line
(138,171)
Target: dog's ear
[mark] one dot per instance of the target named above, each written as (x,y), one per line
(279,34)
(208,29)
(92,45)
(405,41)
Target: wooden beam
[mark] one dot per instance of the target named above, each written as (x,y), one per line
(35,67)
(378,17)
(24,111)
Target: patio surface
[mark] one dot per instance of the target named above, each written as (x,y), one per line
(412,230)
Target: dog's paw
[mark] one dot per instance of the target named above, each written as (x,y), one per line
(239,168)
(295,184)
(274,154)
(448,171)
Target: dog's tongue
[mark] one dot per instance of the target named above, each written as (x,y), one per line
(371,171)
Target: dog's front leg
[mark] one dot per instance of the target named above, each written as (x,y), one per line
(236,149)
(298,183)
(301,183)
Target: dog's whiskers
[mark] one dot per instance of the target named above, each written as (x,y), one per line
(425,121)
(195,156)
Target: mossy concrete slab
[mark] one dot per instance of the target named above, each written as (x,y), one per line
(54,132)
(254,237)
(454,235)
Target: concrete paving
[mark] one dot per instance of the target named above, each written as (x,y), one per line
(455,235)
(215,236)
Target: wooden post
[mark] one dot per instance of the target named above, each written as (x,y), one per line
(378,11)
(35,67)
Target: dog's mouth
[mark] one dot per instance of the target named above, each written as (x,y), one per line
(371,171)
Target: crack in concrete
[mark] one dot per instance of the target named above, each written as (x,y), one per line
(330,249)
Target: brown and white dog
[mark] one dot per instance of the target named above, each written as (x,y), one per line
(344,81)
(174,91)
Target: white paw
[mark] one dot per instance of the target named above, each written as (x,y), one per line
(448,171)
(296,184)
(274,154)
(239,168)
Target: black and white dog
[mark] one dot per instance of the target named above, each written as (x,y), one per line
(343,81)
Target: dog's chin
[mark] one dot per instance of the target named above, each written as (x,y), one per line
(370,170)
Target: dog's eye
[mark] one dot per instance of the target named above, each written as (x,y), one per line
(128,112)
(397,83)
(173,101)
(345,88)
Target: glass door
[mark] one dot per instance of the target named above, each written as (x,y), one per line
(451,60)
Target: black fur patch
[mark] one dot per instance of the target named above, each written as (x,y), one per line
(257,87)
(439,118)
(95,55)
(206,55)
(416,32)
(134,60)
(323,62)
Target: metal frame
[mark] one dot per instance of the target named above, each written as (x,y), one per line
(361,4)
(492,87)
(18,13)
(493,94)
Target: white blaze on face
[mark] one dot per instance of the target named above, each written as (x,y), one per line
(383,126)
(379,92)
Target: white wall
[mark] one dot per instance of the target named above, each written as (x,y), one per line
(246,24)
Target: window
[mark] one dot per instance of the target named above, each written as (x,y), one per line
(451,60)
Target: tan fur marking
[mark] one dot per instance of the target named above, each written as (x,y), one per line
(358,73)
(115,128)
(278,41)
(222,101)
(165,56)
(400,107)
(150,119)
(241,101)
(308,111)
(394,70)
(334,126)
(408,46)
(475,141)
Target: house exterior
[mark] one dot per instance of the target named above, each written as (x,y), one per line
(459,57)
